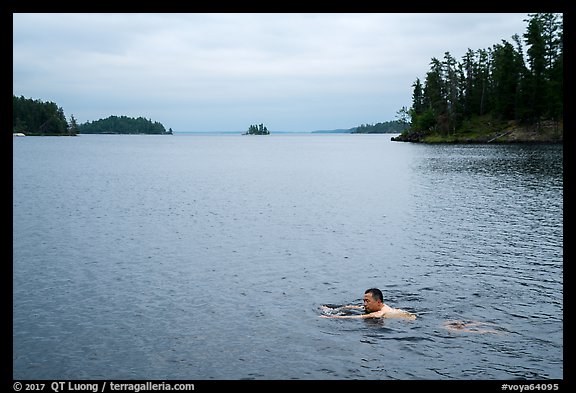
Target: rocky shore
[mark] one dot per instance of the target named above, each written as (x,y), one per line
(510,132)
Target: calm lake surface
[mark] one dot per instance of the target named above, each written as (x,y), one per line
(208,257)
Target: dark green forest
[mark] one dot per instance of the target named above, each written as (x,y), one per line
(519,81)
(35,117)
(122,125)
(387,127)
(257,130)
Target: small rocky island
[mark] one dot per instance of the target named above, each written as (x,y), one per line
(257,130)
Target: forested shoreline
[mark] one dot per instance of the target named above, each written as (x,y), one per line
(386,127)
(36,117)
(510,92)
(494,91)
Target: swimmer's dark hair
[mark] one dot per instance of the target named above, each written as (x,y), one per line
(376,294)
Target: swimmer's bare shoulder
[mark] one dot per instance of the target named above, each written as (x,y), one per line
(398,313)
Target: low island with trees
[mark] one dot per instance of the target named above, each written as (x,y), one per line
(386,127)
(123,125)
(257,130)
(35,117)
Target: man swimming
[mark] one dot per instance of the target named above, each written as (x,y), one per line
(373,308)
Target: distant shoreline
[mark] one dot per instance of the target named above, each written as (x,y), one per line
(238,132)
(316,132)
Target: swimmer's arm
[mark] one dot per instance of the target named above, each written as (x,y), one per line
(376,314)
(347,307)
(350,306)
(370,315)
(373,315)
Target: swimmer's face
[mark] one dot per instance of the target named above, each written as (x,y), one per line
(371,305)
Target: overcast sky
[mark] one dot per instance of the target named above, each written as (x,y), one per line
(224,72)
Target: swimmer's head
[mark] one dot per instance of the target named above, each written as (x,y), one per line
(373,300)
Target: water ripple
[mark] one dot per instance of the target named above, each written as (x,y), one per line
(199,257)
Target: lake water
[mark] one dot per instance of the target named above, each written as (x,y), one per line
(208,257)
